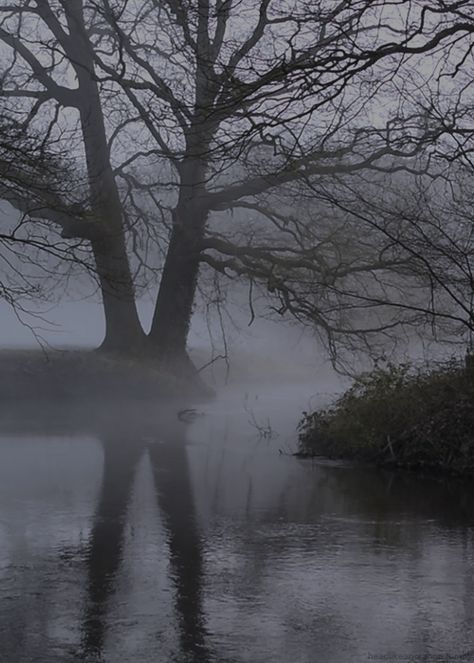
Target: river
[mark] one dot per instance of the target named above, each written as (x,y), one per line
(134,537)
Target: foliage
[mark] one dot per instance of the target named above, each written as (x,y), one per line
(401,416)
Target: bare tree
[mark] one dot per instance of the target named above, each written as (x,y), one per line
(61,78)
(282,95)
(234,105)
(427,223)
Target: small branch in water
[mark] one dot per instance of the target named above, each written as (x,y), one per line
(212,361)
(284,451)
(389,447)
(252,310)
(265,432)
(188,415)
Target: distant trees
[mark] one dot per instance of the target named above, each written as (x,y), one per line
(215,108)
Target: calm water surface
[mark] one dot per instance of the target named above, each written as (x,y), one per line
(131,537)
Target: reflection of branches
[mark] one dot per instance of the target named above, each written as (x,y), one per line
(175,500)
(174,494)
(265,430)
(212,361)
(121,457)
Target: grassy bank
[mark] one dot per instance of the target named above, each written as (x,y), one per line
(87,375)
(402,417)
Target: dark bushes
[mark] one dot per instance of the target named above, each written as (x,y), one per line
(400,416)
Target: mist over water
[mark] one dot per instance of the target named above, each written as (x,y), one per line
(268,349)
(128,535)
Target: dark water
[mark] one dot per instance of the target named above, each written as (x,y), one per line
(156,541)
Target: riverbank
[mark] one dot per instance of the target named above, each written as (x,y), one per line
(416,419)
(81,374)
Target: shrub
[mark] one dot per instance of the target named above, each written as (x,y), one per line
(402,416)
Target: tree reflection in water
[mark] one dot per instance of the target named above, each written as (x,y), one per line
(175,499)
(303,556)
(165,446)
(107,537)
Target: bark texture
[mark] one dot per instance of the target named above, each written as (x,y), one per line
(124,332)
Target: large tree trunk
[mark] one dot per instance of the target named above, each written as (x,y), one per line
(124,332)
(174,306)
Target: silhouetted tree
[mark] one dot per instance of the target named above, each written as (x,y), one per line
(64,30)
(247,100)
(226,103)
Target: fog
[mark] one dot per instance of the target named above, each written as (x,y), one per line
(126,533)
(266,350)
(215,215)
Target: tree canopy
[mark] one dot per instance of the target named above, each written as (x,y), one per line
(262,141)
